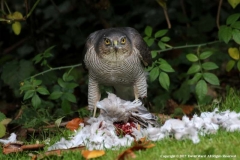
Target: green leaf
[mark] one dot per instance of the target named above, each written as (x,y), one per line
(36,101)
(201,89)
(194,68)
(26,87)
(192,57)
(209,66)
(233,18)
(58,121)
(2,130)
(62,83)
(195,78)
(43,91)
(165,39)
(146,39)
(154,73)
(234,3)
(44,62)
(148,31)
(161,45)
(2,116)
(150,42)
(236,35)
(162,61)
(66,106)
(238,65)
(183,93)
(16,27)
(160,33)
(225,33)
(230,65)
(67,77)
(205,55)
(47,54)
(70,97)
(164,80)
(149,68)
(28,94)
(71,85)
(166,67)
(36,82)
(154,54)
(48,49)
(234,53)
(15,72)
(236,25)
(55,95)
(211,78)
(37,58)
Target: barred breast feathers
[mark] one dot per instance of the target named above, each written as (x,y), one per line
(108,72)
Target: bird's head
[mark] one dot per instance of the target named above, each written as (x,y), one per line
(114,46)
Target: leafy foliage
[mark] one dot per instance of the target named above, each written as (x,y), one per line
(158,70)
(42,57)
(202,76)
(15,71)
(231,30)
(234,54)
(159,38)
(160,66)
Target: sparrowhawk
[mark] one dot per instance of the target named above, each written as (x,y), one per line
(116,57)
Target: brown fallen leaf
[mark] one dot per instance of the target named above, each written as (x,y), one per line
(178,110)
(141,144)
(92,154)
(74,124)
(187,109)
(126,155)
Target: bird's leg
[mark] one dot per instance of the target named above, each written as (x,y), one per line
(136,95)
(93,95)
(140,87)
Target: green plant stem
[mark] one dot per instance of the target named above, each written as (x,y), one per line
(57,68)
(76,65)
(188,46)
(34,6)
(9,11)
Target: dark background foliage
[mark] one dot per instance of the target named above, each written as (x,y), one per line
(67,24)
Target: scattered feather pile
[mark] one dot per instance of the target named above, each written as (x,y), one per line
(101,132)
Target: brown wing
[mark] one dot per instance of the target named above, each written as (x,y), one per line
(139,43)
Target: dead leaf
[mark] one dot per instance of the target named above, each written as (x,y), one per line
(149,145)
(92,154)
(170,106)
(126,154)
(141,144)
(187,109)
(74,124)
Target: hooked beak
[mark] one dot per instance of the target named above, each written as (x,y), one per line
(115,43)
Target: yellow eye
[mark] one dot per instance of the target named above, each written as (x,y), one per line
(107,41)
(123,40)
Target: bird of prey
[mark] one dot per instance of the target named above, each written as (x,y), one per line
(116,57)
